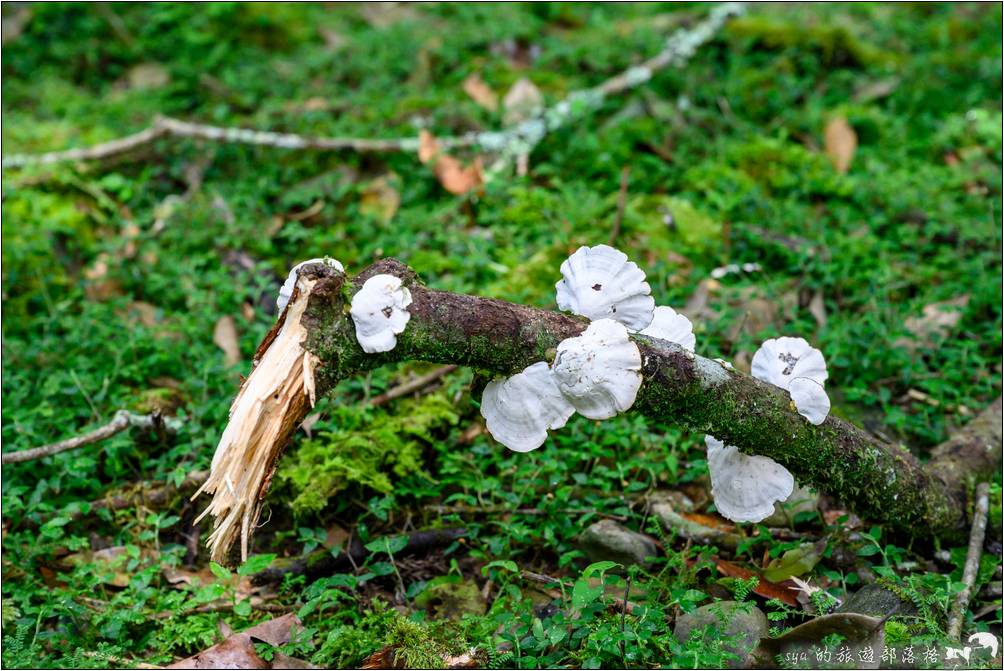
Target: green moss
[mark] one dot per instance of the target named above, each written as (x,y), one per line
(383,448)
(834,43)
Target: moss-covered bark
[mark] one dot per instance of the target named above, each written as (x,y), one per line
(877,480)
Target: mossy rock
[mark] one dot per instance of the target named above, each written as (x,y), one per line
(739,625)
(451,599)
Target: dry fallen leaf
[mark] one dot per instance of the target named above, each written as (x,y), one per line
(817,308)
(99,286)
(148,76)
(457,178)
(238,652)
(782,591)
(841,142)
(380,199)
(453,175)
(225,337)
(427,146)
(936,322)
(521,102)
(144,313)
(481,93)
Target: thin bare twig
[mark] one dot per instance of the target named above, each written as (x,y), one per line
(411,385)
(510,143)
(976,536)
(122,421)
(494,510)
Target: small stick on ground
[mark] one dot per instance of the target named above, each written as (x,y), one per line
(621,606)
(621,204)
(122,421)
(503,510)
(979,532)
(411,386)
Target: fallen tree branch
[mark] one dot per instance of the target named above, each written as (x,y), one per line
(322,562)
(878,481)
(973,555)
(410,386)
(509,143)
(122,420)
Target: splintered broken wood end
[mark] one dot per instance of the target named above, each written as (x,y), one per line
(271,403)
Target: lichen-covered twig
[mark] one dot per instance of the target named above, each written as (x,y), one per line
(973,555)
(878,481)
(122,421)
(507,144)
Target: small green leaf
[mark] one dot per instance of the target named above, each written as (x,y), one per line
(390,545)
(599,567)
(243,608)
(868,551)
(255,564)
(538,629)
(502,564)
(219,571)
(584,594)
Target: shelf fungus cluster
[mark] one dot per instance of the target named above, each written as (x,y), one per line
(380,312)
(745,487)
(597,373)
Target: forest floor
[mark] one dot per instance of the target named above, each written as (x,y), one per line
(853,152)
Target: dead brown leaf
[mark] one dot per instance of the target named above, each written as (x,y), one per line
(110,563)
(841,142)
(130,232)
(520,55)
(99,286)
(308,423)
(380,199)
(696,308)
(817,308)
(521,102)
(148,76)
(481,93)
(936,322)
(14,22)
(144,313)
(453,175)
(457,178)
(876,89)
(427,146)
(764,588)
(237,651)
(225,337)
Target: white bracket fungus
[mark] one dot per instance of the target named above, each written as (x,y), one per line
(600,283)
(519,410)
(781,360)
(668,324)
(287,287)
(599,372)
(800,369)
(745,487)
(810,399)
(379,311)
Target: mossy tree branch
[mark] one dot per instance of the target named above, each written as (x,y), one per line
(877,480)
